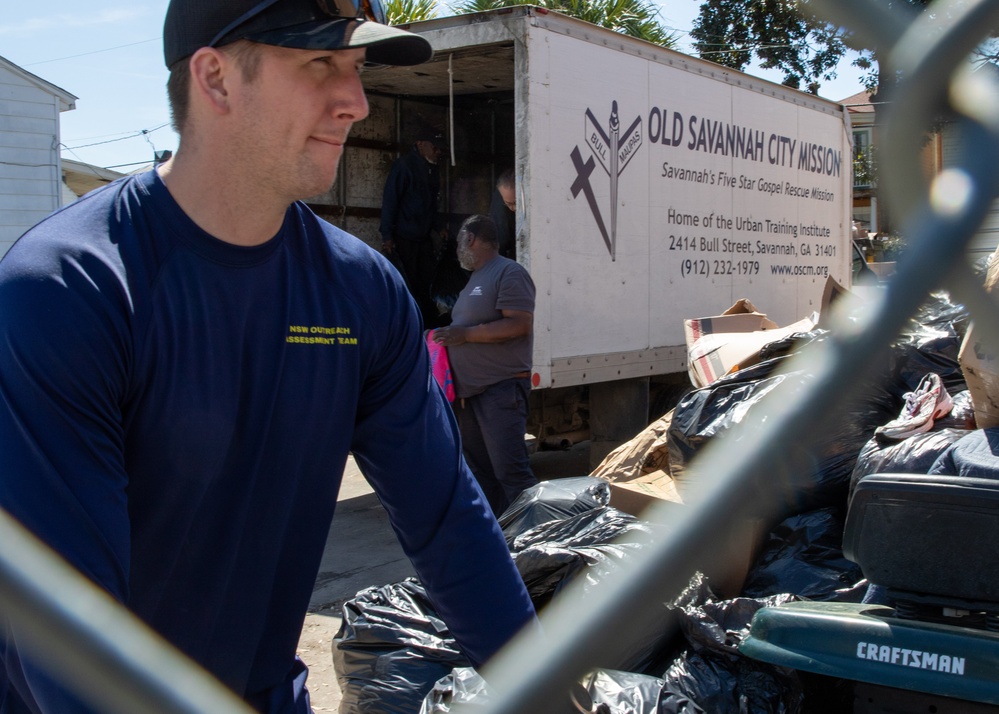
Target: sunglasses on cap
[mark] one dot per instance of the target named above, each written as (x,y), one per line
(284,14)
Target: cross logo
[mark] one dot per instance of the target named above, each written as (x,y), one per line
(614,149)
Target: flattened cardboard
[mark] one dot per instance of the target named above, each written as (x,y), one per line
(644,454)
(740,543)
(980,364)
(638,494)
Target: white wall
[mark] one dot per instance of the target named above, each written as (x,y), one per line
(30,176)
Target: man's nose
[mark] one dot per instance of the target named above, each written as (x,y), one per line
(352,102)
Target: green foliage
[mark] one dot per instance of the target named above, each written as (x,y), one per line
(779,34)
(466,7)
(636,18)
(403,12)
(784,35)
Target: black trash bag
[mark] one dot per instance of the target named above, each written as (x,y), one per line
(809,478)
(939,313)
(716,411)
(803,555)
(711,672)
(551,554)
(712,411)
(391,648)
(961,416)
(591,547)
(596,526)
(930,343)
(734,685)
(463,687)
(617,692)
(844,435)
(914,455)
(609,691)
(720,626)
(789,344)
(840,444)
(697,592)
(980,266)
(553,500)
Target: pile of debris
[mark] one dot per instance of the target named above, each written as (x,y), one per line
(394,654)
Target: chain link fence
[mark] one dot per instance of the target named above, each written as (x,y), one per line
(938,216)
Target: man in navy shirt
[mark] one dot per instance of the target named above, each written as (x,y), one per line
(411,224)
(502,209)
(189,355)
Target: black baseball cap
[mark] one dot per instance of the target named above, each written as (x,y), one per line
(302,24)
(432,134)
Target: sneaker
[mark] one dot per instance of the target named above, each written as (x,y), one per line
(928,402)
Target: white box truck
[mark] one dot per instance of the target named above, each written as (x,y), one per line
(652,187)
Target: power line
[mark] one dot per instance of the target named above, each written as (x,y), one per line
(94,52)
(134,163)
(113,166)
(117,134)
(746,48)
(141,132)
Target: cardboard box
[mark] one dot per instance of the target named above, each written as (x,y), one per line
(732,341)
(980,364)
(636,495)
(644,454)
(736,548)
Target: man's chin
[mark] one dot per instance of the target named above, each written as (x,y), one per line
(321,186)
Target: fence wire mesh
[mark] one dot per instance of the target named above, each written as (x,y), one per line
(938,216)
(114,661)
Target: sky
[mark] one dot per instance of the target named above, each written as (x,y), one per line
(108,53)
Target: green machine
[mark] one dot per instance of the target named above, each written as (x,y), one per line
(931,544)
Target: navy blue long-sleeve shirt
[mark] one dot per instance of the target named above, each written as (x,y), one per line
(175,416)
(410,199)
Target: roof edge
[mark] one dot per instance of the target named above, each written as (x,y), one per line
(67,100)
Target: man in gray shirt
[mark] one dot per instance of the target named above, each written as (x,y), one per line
(490,343)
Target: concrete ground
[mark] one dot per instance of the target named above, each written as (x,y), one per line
(362,552)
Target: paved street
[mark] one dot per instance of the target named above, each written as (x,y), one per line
(361,552)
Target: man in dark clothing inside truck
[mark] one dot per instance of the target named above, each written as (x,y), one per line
(411,226)
(189,354)
(503,210)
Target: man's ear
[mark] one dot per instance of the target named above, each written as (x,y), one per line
(210,70)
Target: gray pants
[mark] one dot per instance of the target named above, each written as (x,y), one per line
(492,427)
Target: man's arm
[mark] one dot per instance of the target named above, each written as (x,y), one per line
(407,445)
(513,324)
(63,474)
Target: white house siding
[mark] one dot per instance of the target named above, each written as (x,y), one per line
(987,237)
(30,175)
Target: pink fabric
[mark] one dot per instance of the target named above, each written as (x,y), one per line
(441,366)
